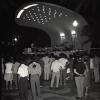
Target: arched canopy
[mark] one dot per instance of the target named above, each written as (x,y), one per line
(61,24)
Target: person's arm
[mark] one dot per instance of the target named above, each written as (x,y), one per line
(18,73)
(12,69)
(39,70)
(87,69)
(29,70)
(76,72)
(52,67)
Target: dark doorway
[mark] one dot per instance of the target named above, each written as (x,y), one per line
(32,35)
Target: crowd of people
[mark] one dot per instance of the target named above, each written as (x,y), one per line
(30,70)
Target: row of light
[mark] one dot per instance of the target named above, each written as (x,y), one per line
(40,14)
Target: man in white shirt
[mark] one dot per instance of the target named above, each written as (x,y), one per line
(23,81)
(64,61)
(55,68)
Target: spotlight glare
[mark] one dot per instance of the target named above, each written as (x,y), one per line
(73,32)
(75,23)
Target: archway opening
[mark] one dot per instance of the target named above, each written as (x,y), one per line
(33,35)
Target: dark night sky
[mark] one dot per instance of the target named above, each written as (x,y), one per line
(89,9)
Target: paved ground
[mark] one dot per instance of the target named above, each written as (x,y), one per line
(68,92)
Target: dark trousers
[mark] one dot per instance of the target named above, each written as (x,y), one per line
(62,76)
(23,88)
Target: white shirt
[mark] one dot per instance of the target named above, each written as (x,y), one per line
(23,70)
(56,66)
(8,67)
(63,61)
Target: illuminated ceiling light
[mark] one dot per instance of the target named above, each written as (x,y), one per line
(19,14)
(37,17)
(55,13)
(38,21)
(43,9)
(73,32)
(42,19)
(46,21)
(49,11)
(49,18)
(75,23)
(15,39)
(22,10)
(60,14)
(30,6)
(66,15)
(38,9)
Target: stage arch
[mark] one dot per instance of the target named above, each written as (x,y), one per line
(63,26)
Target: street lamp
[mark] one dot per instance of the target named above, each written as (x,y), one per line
(74,34)
(75,23)
(62,36)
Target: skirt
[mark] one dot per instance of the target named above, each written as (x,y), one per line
(8,77)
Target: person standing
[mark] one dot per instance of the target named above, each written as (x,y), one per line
(87,78)
(23,80)
(15,75)
(79,70)
(55,68)
(64,61)
(8,77)
(92,69)
(46,60)
(2,65)
(35,73)
(96,69)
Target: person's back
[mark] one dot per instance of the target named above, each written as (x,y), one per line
(46,60)
(96,69)
(8,77)
(35,68)
(8,67)
(56,66)
(15,67)
(63,61)
(35,72)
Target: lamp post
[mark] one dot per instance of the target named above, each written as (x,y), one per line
(74,35)
(75,23)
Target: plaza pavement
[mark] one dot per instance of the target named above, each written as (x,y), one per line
(68,92)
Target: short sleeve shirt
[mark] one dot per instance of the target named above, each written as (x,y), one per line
(23,70)
(80,67)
